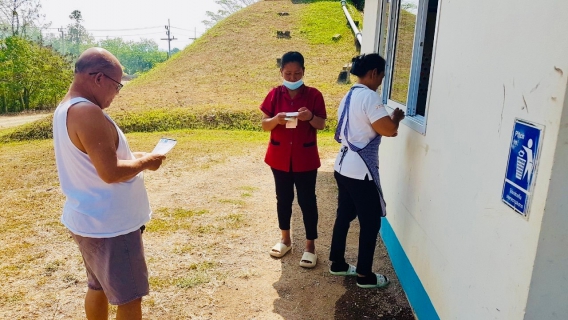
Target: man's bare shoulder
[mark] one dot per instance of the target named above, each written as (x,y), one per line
(87,125)
(85,117)
(84,106)
(85,111)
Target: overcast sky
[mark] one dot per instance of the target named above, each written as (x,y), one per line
(133,19)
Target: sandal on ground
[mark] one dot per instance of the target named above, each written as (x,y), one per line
(279,250)
(351,271)
(309,260)
(382,281)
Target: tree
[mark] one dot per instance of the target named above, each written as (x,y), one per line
(55,41)
(228,7)
(31,76)
(20,18)
(135,57)
(77,35)
(409,6)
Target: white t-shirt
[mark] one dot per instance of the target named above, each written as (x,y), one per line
(365,108)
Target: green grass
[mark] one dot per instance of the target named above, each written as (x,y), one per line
(234,220)
(248,188)
(158,224)
(235,202)
(184,249)
(207,229)
(192,281)
(169,220)
(195,275)
(180,213)
(11,298)
(403,57)
(37,130)
(320,22)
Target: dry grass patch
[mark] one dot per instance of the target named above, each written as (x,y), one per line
(235,202)
(196,274)
(31,203)
(172,220)
(233,220)
(207,260)
(248,188)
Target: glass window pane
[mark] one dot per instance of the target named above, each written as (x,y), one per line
(383,44)
(403,51)
(384,31)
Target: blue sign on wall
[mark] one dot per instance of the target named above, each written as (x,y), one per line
(521,166)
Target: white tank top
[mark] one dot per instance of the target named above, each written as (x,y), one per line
(93,207)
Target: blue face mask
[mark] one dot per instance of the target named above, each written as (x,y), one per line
(293,85)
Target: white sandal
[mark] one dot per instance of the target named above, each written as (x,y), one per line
(309,260)
(279,250)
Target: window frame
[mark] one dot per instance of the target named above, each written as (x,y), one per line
(414,121)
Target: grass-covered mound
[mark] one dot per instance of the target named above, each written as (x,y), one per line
(221,79)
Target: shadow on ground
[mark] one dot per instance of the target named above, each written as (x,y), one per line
(315,293)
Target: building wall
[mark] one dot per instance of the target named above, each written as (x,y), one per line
(548,292)
(494,61)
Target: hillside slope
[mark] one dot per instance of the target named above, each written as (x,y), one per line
(221,79)
(234,64)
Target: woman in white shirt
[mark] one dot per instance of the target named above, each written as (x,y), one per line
(363,120)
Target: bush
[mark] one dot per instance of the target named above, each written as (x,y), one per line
(158,120)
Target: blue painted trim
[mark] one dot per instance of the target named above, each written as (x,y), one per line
(417,295)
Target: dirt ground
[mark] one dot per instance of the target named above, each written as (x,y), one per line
(268,288)
(16,120)
(264,287)
(211,260)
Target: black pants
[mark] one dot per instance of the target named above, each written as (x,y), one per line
(357,198)
(306,188)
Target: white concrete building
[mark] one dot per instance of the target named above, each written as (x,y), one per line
(465,71)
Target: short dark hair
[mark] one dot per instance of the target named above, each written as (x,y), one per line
(292,56)
(362,64)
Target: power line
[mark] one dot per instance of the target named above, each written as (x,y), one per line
(115,30)
(186,35)
(168,33)
(181,29)
(112,30)
(127,35)
(125,29)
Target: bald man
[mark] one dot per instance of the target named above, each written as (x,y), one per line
(107,204)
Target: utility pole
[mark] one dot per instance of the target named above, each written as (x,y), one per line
(62,41)
(194,34)
(168,32)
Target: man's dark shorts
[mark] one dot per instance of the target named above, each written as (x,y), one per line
(116,266)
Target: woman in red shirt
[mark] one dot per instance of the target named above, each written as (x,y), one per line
(293,112)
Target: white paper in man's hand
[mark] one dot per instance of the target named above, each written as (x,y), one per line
(164,146)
